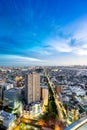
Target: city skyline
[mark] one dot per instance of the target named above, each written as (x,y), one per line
(49,32)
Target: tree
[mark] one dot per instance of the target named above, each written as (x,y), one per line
(22,126)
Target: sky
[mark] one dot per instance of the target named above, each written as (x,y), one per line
(43,32)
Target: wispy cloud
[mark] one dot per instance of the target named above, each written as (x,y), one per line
(60,45)
(19,60)
(43,51)
(74,41)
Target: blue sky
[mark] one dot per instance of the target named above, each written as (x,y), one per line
(43,32)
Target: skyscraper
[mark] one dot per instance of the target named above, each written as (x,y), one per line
(32,88)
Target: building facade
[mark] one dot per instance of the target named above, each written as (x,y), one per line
(7,119)
(12,98)
(44,94)
(32,89)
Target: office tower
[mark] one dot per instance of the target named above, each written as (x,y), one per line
(12,98)
(32,89)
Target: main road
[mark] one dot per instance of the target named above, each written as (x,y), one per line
(60,107)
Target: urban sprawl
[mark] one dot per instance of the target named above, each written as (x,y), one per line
(42,97)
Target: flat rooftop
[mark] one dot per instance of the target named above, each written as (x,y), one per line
(13,89)
(6,116)
(44,86)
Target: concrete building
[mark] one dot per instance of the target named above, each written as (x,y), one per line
(44,94)
(7,119)
(32,89)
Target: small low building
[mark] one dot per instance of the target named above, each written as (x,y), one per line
(7,119)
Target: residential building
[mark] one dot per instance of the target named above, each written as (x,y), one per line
(32,89)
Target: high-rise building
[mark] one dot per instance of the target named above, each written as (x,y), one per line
(32,89)
(12,98)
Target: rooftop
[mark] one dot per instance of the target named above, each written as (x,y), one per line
(13,89)
(6,116)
